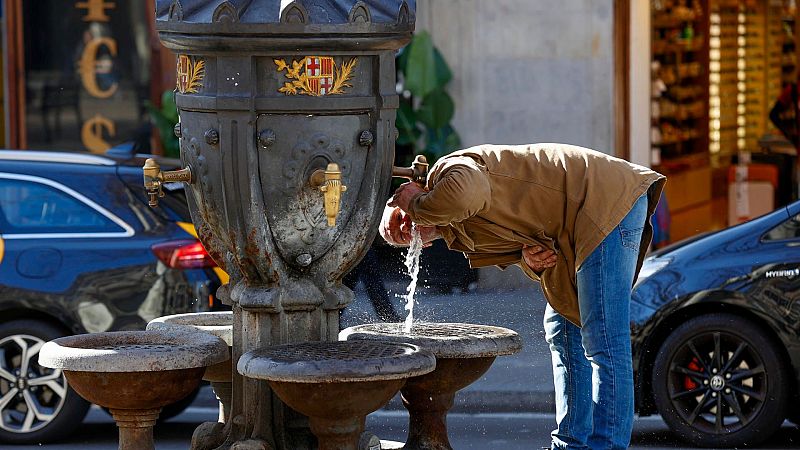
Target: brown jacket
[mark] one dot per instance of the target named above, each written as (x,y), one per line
(489,201)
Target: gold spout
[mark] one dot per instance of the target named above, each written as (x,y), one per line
(154,179)
(329,182)
(418,172)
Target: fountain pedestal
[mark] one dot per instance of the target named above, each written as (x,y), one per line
(208,435)
(336,384)
(463,352)
(134,373)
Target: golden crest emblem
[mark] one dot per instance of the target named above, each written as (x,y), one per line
(316,76)
(190,74)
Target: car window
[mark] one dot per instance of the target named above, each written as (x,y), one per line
(789,229)
(31,208)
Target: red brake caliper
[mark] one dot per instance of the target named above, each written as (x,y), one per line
(688,383)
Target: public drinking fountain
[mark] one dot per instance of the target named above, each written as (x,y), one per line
(287,133)
(463,352)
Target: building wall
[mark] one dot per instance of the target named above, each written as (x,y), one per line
(527,70)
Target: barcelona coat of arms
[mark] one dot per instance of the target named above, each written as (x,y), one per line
(316,76)
(190,74)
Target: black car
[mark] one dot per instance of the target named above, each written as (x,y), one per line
(81,251)
(716,332)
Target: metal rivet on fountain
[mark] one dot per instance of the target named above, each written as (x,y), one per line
(266,138)
(304,259)
(212,137)
(366,139)
(177,130)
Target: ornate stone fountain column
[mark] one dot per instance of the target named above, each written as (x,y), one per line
(287,133)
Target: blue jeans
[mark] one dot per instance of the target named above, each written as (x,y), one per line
(592,366)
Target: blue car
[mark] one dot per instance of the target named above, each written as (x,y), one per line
(716,332)
(81,251)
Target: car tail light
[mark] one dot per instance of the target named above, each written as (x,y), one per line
(183,254)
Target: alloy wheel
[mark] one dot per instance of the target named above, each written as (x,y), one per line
(31,396)
(717,382)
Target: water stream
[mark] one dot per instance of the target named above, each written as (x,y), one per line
(412,265)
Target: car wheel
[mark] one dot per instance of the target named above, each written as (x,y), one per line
(36,405)
(719,381)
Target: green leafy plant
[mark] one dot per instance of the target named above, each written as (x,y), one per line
(426,109)
(164,119)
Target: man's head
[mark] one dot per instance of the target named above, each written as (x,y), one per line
(396,227)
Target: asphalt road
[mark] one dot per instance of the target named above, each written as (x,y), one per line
(505,431)
(509,408)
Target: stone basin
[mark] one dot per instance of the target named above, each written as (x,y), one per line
(208,435)
(219,324)
(134,373)
(336,384)
(463,352)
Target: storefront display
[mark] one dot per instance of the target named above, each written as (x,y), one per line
(80,79)
(718,66)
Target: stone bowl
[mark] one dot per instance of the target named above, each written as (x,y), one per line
(134,369)
(336,384)
(445,340)
(464,352)
(219,324)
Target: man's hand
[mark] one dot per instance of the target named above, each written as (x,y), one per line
(404,194)
(395,227)
(538,259)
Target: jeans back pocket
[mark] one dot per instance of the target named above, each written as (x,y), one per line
(631,237)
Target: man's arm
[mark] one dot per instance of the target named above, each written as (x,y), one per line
(460,191)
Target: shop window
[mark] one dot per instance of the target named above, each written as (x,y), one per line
(717,68)
(87,74)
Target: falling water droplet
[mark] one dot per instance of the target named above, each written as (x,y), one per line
(412,264)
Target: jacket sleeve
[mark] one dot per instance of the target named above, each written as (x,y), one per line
(461,190)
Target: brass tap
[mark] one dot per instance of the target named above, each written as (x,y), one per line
(329,182)
(154,179)
(418,172)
